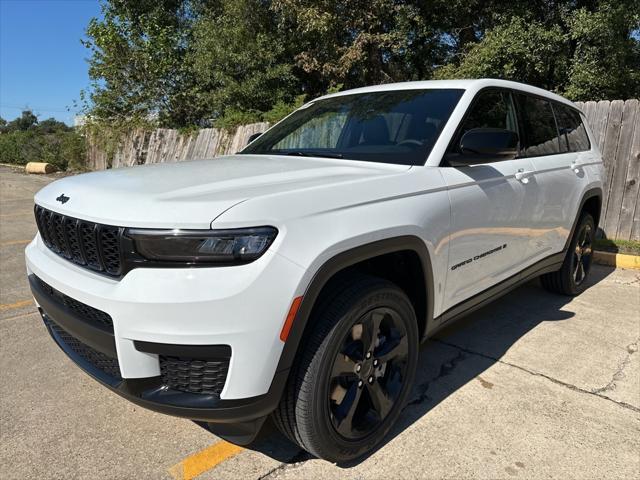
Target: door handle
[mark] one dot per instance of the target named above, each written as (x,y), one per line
(523,175)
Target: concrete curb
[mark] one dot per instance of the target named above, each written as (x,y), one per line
(619,260)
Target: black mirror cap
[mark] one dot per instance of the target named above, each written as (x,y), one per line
(253,137)
(486,145)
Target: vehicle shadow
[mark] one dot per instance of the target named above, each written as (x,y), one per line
(485,334)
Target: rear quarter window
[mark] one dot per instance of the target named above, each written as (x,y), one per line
(573,135)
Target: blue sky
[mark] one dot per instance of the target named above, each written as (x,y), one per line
(42,63)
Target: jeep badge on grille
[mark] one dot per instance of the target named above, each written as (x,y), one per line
(62,199)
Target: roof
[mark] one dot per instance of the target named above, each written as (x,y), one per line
(468,84)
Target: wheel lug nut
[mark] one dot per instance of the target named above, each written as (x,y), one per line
(371,379)
(358,367)
(368,355)
(375,363)
(360,383)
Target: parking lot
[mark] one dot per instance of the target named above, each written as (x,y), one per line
(535,385)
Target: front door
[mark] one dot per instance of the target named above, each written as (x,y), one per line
(492,206)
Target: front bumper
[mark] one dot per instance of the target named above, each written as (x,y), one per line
(178,313)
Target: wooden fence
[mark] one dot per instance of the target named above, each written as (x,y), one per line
(616,126)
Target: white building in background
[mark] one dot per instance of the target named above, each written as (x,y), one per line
(79,120)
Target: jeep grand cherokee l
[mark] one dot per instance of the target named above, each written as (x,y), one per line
(298,277)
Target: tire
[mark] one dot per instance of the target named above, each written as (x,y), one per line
(329,405)
(572,276)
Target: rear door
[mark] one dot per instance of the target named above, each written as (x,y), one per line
(492,205)
(555,140)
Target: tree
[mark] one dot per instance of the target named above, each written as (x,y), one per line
(182,63)
(26,121)
(51,125)
(137,53)
(585,53)
(605,62)
(239,62)
(519,50)
(358,42)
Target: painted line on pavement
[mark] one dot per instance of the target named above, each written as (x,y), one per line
(12,306)
(20,315)
(22,214)
(204,460)
(14,242)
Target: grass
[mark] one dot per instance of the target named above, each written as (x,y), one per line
(631,247)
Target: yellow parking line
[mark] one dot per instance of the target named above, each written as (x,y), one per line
(14,242)
(13,306)
(204,460)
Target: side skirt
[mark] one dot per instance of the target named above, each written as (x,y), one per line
(549,264)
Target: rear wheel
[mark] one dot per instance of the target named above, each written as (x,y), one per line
(571,278)
(355,370)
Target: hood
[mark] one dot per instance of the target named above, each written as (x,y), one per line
(192,194)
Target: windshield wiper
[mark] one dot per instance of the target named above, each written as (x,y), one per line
(305,153)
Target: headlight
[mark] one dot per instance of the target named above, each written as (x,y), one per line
(202,246)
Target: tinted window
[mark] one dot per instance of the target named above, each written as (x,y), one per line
(573,135)
(393,127)
(541,135)
(492,109)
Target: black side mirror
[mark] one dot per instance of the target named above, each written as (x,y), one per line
(253,137)
(486,145)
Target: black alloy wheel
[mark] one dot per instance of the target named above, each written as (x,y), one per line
(582,254)
(368,373)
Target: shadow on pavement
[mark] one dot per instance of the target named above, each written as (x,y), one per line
(490,331)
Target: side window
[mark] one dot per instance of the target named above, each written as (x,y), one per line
(573,135)
(541,134)
(492,109)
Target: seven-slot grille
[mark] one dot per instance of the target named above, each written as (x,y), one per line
(91,245)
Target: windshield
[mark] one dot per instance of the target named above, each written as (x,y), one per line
(398,127)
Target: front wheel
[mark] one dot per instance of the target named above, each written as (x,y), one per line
(355,370)
(572,276)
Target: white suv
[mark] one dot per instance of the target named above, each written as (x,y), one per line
(298,277)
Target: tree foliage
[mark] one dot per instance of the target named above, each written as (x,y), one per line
(587,53)
(181,63)
(25,139)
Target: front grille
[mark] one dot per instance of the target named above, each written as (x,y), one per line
(85,312)
(98,359)
(88,244)
(194,376)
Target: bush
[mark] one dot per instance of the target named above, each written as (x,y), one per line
(234,118)
(25,140)
(281,109)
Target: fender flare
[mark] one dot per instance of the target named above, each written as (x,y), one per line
(590,193)
(346,259)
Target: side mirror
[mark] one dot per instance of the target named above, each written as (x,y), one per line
(253,137)
(486,145)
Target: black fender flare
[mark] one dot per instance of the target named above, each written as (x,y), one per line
(590,193)
(346,259)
